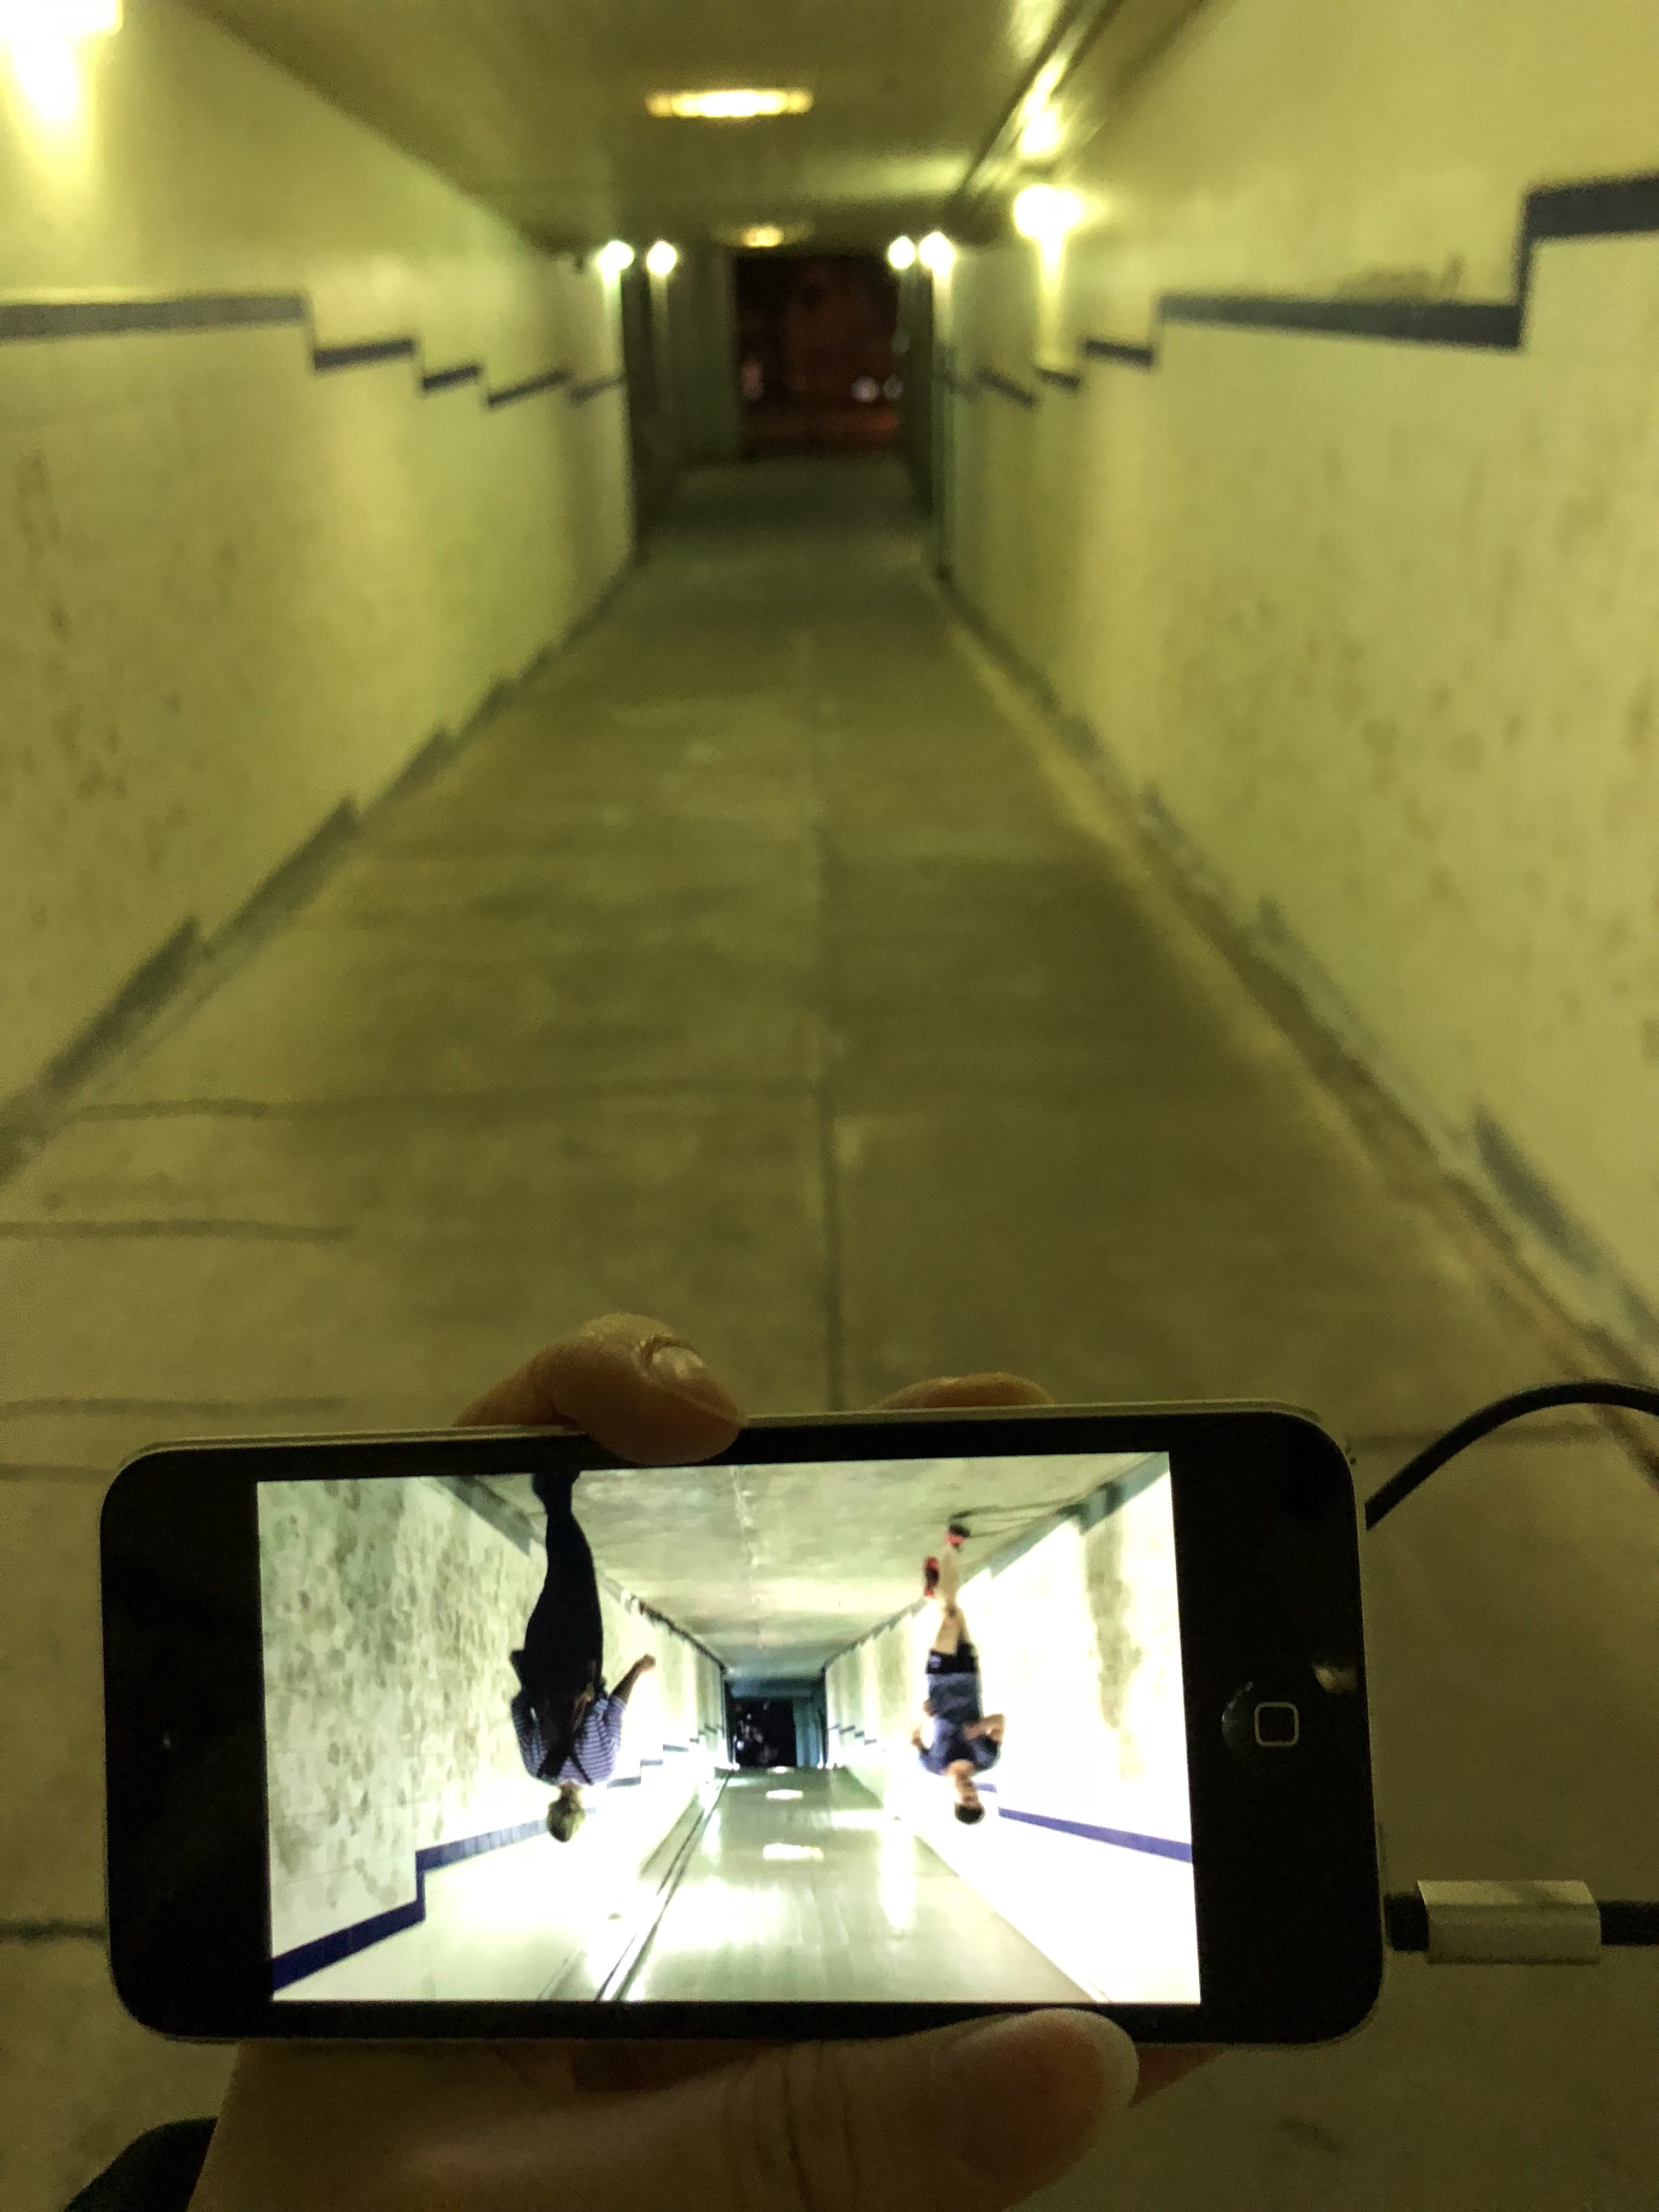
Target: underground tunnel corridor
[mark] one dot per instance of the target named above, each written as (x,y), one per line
(764,962)
(1129,862)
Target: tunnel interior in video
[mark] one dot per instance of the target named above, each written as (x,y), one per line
(899,1731)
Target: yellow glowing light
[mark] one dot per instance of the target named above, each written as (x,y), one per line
(937,254)
(774,1795)
(733,106)
(614,257)
(901,253)
(47,72)
(26,22)
(1040,135)
(663,258)
(1046,214)
(761,236)
(791,1852)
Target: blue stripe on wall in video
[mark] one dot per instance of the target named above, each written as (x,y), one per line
(291,1966)
(1128,1839)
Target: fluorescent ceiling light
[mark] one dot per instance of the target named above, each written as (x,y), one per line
(663,260)
(937,254)
(734,106)
(1046,214)
(761,236)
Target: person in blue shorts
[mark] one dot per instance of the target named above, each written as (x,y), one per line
(954,1737)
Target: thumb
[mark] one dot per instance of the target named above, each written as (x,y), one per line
(968,2119)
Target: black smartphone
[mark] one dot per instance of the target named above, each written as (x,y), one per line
(871,1722)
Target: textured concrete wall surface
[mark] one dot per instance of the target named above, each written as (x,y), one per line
(390,1610)
(1365,621)
(244,585)
(1078,1639)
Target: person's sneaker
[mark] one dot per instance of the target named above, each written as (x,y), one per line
(957,1534)
(929,1577)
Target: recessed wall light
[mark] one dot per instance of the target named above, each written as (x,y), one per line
(737,106)
(1046,214)
(612,258)
(663,258)
(937,254)
(901,253)
(1040,135)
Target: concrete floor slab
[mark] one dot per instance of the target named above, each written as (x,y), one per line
(1511,2089)
(1114,1253)
(382,1266)
(52,1716)
(78,2081)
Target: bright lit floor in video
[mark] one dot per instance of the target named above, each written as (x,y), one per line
(791,1885)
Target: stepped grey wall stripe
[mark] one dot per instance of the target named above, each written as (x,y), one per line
(39,320)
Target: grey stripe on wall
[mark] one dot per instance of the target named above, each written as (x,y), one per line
(37,321)
(1603,207)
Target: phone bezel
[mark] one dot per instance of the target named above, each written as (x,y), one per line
(1284,1849)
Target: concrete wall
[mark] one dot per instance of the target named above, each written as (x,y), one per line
(390,1609)
(243,586)
(1078,1638)
(1366,620)
(702,354)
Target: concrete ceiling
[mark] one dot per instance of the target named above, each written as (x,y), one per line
(776,1569)
(538,106)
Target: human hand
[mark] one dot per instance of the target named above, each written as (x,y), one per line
(645,1663)
(671,2126)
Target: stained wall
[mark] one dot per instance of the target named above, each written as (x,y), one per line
(1364,621)
(1079,1639)
(390,1611)
(248,574)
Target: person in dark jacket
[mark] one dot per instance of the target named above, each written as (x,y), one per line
(568,1725)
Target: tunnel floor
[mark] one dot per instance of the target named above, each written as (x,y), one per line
(871,1916)
(767,962)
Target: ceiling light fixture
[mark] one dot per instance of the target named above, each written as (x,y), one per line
(735,106)
(936,254)
(663,258)
(1045,213)
(901,253)
(612,258)
(761,236)
(1040,135)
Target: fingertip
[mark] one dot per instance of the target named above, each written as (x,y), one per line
(991,1390)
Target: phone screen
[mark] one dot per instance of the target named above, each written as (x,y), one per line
(744,1733)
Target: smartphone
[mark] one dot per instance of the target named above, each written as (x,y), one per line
(871,1722)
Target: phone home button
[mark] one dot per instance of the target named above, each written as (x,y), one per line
(1276,1725)
(1255,1725)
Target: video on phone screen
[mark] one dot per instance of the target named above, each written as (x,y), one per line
(905,1730)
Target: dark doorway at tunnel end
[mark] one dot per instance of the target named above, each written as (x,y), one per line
(762,1731)
(817,363)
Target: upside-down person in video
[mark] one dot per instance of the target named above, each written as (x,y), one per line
(568,1726)
(955,1738)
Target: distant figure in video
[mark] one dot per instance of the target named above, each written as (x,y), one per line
(568,1726)
(748,1748)
(955,1738)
